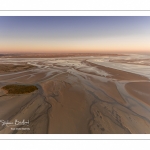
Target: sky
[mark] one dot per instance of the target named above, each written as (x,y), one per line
(66,34)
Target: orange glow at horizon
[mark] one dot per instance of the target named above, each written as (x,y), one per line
(68,46)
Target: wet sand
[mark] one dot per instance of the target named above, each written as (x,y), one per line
(140,90)
(77,97)
(145,62)
(4,68)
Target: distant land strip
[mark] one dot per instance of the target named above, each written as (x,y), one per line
(74,10)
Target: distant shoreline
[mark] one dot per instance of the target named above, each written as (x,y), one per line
(55,55)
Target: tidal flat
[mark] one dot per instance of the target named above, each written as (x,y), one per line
(104,94)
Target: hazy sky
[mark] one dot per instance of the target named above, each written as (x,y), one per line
(74,34)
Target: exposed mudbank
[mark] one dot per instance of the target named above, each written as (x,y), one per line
(19,89)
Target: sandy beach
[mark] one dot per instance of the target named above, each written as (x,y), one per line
(74,96)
